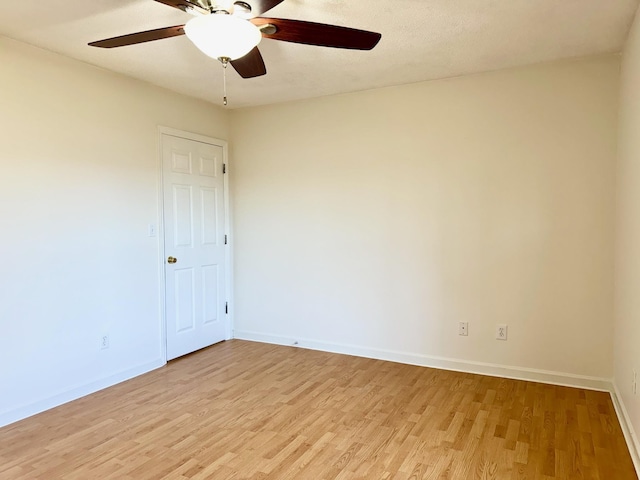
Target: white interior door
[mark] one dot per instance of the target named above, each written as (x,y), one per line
(194,239)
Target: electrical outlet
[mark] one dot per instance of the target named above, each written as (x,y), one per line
(463,328)
(501,332)
(104,342)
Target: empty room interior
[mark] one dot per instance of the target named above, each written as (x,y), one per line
(391,241)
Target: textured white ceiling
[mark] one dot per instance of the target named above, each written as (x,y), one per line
(421,40)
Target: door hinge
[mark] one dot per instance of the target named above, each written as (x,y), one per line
(224,168)
(226,308)
(225,239)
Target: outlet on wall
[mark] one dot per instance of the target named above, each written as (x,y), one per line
(104,342)
(463,328)
(501,332)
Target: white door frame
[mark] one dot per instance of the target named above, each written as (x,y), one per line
(227,228)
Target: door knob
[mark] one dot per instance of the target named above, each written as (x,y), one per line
(172,260)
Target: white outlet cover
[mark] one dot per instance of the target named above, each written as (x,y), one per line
(501,332)
(463,329)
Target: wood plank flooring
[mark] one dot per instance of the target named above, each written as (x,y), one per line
(246,410)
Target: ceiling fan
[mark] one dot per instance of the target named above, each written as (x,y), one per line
(230,32)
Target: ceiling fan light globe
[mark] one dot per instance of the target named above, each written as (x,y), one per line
(223,36)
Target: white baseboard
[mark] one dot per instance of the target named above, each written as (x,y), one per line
(21,413)
(454,364)
(627,427)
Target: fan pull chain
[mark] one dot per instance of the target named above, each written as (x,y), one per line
(225,62)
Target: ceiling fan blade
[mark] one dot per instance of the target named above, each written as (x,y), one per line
(319,34)
(140,37)
(251,65)
(258,7)
(183,5)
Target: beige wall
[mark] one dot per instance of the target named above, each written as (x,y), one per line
(79,187)
(379,220)
(627,279)
(375,220)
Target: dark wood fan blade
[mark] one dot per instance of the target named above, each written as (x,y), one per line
(140,37)
(258,7)
(319,34)
(183,5)
(251,65)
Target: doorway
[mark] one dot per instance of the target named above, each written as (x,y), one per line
(195,233)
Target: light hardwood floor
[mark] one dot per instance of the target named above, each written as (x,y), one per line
(246,410)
